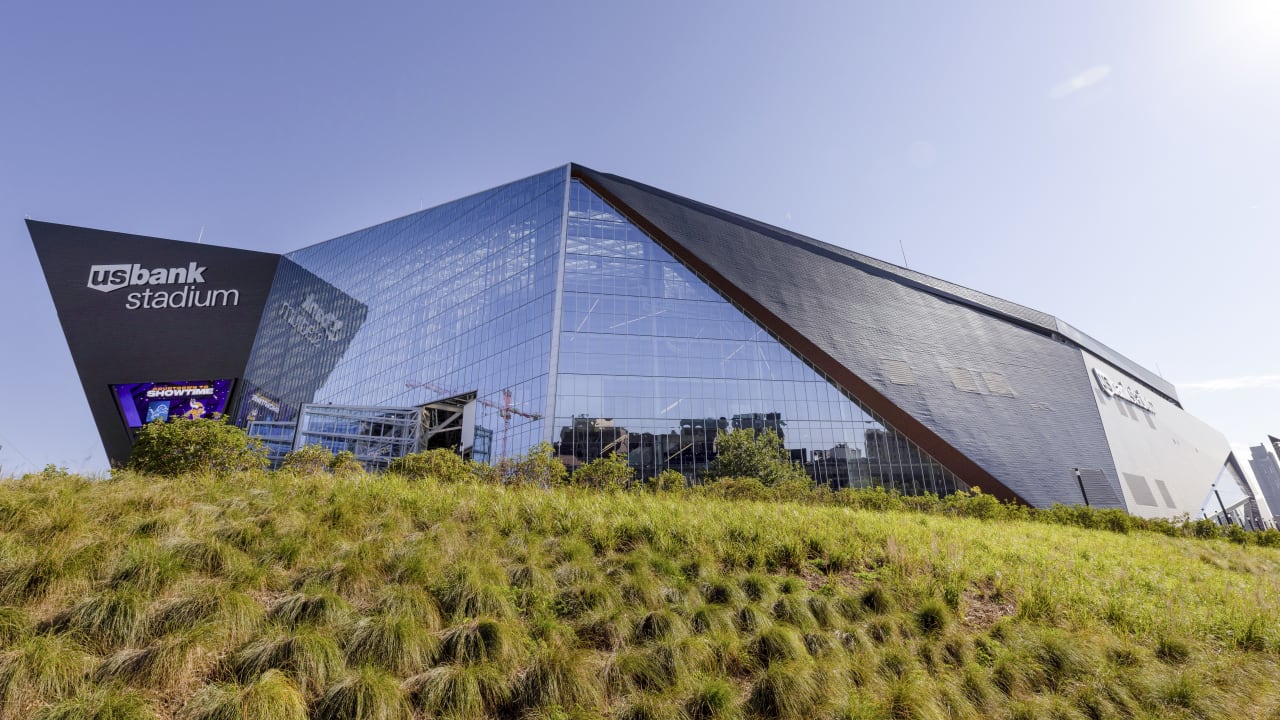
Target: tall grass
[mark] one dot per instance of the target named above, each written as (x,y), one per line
(288,596)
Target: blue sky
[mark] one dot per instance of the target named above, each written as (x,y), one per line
(1115,164)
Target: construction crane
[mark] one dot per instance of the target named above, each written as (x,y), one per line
(505,410)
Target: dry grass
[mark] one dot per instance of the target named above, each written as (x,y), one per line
(283,597)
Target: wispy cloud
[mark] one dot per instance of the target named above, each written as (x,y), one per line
(1244,382)
(1080,81)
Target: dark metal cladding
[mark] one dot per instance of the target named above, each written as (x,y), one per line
(998,396)
(113,343)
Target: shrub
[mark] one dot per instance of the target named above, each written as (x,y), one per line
(107,620)
(272,697)
(760,455)
(442,464)
(1205,528)
(933,617)
(312,459)
(877,600)
(108,703)
(737,488)
(605,473)
(712,699)
(481,641)
(788,691)
(14,625)
(40,669)
(778,644)
(665,481)
(397,642)
(560,676)
(322,608)
(368,694)
(660,625)
(345,464)
(459,691)
(231,614)
(539,466)
(473,589)
(177,447)
(310,658)
(163,663)
(147,567)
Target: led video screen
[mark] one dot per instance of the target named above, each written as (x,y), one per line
(141,403)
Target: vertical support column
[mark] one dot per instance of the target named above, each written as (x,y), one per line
(553,371)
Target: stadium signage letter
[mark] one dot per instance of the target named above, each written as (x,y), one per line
(1123,390)
(109,278)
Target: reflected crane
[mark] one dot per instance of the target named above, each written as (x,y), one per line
(506,409)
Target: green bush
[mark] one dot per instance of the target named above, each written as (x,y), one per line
(539,466)
(747,453)
(442,464)
(345,464)
(308,460)
(610,472)
(665,481)
(177,447)
(736,488)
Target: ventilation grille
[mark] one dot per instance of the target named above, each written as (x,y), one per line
(897,372)
(980,382)
(1140,490)
(1097,491)
(964,380)
(997,384)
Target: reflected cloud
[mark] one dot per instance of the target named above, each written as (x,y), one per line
(1080,81)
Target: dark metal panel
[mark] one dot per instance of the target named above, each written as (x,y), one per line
(845,316)
(1098,491)
(116,337)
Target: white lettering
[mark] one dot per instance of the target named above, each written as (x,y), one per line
(109,278)
(1123,390)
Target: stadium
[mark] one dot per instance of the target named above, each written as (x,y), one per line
(602,316)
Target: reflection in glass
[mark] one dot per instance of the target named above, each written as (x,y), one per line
(654,363)
(448,301)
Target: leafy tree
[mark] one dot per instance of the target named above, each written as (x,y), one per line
(747,453)
(182,446)
(607,472)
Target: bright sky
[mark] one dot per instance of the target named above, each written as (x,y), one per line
(1115,164)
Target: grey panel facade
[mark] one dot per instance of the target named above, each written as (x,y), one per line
(1031,442)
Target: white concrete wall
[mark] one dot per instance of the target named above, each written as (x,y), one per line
(1163,443)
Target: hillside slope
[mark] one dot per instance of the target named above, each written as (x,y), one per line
(280,596)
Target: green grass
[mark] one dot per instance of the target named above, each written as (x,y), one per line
(293,595)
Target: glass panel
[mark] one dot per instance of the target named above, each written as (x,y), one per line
(454,299)
(654,363)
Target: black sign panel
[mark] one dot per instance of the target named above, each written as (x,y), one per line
(139,309)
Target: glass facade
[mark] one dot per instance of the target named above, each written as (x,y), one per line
(447,301)
(654,363)
(1230,501)
(649,360)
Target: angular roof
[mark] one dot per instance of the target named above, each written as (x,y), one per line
(996,391)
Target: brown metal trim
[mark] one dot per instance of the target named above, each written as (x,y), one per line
(957,462)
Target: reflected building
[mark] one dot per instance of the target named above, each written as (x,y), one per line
(604,316)
(1267,472)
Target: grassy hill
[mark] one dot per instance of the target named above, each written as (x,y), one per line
(280,596)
